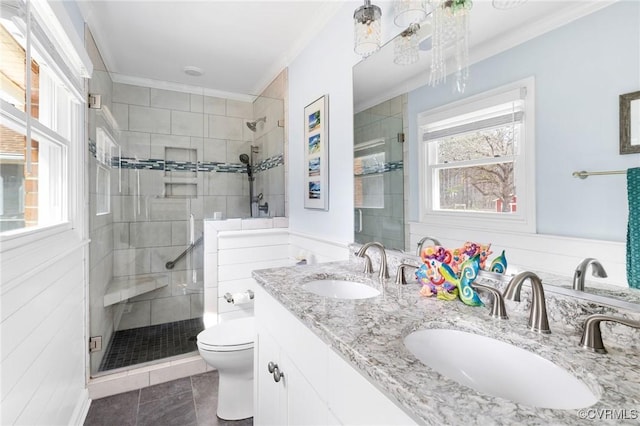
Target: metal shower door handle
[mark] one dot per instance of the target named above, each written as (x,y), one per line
(359,220)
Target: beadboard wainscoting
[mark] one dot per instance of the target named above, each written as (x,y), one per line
(43,342)
(538,252)
(236,247)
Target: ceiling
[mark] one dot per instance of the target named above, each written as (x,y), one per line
(240,45)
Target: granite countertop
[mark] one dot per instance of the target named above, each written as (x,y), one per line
(369,334)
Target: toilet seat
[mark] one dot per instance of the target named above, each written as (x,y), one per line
(233,335)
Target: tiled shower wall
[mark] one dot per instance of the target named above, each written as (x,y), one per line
(150,228)
(385,121)
(269,138)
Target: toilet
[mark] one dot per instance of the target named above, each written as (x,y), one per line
(228,347)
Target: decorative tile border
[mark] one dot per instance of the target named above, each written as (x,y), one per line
(188,166)
(269,163)
(381,168)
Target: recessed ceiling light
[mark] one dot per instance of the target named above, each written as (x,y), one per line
(193,71)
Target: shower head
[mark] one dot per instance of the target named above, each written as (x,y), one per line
(252,125)
(244,158)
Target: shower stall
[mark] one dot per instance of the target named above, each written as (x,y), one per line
(160,162)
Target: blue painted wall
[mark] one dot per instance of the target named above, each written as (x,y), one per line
(580,70)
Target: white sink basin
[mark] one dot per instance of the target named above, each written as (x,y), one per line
(339,289)
(496,368)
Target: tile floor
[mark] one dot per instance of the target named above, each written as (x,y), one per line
(144,344)
(190,401)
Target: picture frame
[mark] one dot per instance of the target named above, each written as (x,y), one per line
(630,123)
(316,157)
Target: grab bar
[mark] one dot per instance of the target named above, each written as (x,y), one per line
(172,263)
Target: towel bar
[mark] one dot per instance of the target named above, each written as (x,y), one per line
(584,174)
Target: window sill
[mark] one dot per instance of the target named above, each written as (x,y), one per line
(21,237)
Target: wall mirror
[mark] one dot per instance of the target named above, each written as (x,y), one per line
(630,123)
(386,93)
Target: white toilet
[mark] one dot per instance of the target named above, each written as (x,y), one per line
(228,347)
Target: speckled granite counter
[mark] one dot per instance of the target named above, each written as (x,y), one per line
(369,334)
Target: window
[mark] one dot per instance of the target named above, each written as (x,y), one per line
(40,120)
(477,161)
(107,152)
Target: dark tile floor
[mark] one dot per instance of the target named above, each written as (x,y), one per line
(143,344)
(191,401)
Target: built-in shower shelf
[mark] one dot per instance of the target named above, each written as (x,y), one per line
(121,289)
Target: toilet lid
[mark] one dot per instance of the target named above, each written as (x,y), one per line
(230,335)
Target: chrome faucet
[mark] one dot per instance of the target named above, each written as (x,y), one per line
(384,273)
(581,271)
(421,243)
(592,337)
(538,321)
(497,310)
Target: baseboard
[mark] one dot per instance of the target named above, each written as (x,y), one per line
(81,409)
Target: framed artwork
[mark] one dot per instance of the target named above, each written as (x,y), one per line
(316,157)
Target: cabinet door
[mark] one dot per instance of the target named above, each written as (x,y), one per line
(304,405)
(270,399)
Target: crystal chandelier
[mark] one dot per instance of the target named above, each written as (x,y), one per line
(367,31)
(450,28)
(405,48)
(407,12)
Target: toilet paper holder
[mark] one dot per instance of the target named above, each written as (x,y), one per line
(229,297)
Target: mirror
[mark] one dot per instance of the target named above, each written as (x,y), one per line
(630,123)
(378,174)
(568,138)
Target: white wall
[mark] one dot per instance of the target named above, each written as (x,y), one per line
(324,67)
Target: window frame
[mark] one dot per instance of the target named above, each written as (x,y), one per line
(524,220)
(57,51)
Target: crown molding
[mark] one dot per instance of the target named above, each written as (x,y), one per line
(179,87)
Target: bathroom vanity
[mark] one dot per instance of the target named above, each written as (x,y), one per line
(322,360)
(300,380)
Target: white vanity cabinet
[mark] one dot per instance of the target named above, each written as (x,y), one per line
(317,387)
(283,342)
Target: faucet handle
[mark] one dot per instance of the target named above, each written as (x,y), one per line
(400,279)
(592,336)
(368,267)
(497,310)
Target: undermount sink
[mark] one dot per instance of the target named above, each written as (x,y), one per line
(340,289)
(499,369)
